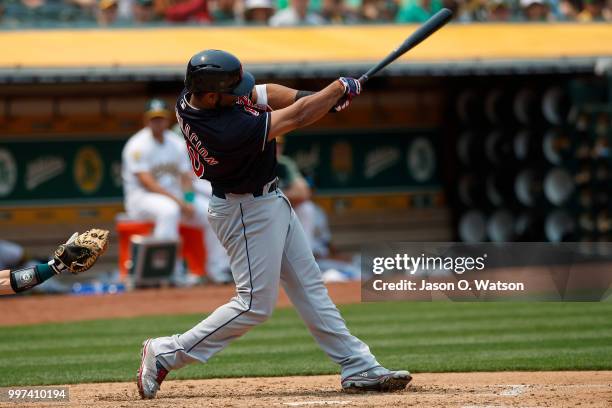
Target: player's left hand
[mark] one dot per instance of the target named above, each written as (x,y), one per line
(80,252)
(352,86)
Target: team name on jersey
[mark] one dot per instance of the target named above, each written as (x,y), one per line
(248,105)
(195,148)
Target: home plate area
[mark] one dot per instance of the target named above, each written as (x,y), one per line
(469,390)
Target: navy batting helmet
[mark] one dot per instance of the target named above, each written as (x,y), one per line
(217,71)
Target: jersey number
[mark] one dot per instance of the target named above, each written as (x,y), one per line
(198,167)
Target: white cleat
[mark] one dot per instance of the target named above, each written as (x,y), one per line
(150,374)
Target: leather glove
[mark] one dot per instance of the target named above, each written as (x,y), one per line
(80,252)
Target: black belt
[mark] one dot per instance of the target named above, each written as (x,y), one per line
(259,192)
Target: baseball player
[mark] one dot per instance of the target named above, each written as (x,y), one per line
(77,255)
(231,141)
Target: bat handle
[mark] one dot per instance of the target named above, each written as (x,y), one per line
(363,79)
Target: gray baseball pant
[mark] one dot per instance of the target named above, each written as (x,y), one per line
(265,243)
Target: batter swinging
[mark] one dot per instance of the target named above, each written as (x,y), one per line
(230,129)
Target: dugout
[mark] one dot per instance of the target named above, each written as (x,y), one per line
(397,166)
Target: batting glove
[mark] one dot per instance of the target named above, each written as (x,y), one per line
(352,86)
(342,104)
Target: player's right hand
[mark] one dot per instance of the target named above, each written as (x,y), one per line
(352,86)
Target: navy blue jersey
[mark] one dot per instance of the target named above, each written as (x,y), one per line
(228,146)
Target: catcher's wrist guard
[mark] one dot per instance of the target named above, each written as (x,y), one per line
(27,278)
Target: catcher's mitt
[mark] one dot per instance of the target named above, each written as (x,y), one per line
(80,252)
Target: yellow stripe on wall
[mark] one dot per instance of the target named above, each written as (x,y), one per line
(173,46)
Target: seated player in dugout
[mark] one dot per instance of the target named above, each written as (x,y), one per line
(158,181)
(230,125)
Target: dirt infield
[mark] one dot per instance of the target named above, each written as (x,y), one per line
(18,310)
(507,389)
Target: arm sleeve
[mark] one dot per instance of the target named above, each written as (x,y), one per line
(262,94)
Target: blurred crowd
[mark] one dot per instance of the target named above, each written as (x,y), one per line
(49,13)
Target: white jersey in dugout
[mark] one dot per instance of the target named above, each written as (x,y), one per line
(165,161)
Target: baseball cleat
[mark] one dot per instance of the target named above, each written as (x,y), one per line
(150,374)
(376,379)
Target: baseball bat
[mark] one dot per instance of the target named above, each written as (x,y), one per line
(429,27)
